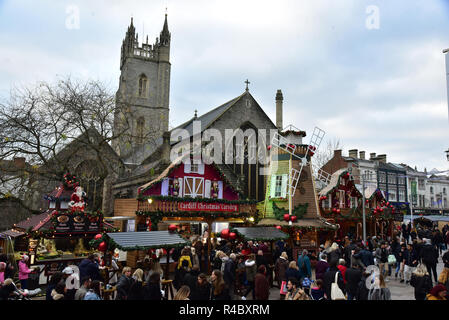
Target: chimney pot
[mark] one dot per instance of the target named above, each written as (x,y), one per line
(372,156)
(337,153)
(353,153)
(362,155)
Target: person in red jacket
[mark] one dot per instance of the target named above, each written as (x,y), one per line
(341,266)
(261,285)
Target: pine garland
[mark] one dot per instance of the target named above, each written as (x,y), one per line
(299,211)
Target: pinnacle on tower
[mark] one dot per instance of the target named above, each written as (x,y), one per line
(165,34)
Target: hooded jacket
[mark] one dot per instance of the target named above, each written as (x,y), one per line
(251,270)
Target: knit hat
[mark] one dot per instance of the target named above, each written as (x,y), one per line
(437,289)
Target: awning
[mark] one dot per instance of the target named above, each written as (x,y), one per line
(261,233)
(431,217)
(11,233)
(145,240)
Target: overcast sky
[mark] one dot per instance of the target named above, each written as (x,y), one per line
(376,82)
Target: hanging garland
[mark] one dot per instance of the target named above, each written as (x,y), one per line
(298,211)
(157,216)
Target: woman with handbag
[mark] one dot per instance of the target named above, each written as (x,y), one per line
(332,280)
(421,281)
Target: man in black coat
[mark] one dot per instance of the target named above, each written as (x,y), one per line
(366,257)
(229,273)
(429,256)
(353,277)
(89,268)
(191,277)
(329,278)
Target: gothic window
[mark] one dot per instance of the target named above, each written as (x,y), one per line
(143,81)
(91,176)
(140,129)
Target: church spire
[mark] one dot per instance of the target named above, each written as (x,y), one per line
(165,34)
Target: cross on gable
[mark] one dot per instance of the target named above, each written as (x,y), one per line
(247,83)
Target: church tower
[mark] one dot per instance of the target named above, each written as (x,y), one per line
(143,95)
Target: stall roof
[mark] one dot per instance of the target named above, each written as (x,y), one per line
(11,233)
(261,233)
(33,221)
(127,241)
(431,217)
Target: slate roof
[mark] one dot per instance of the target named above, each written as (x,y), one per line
(261,233)
(33,221)
(11,233)
(146,240)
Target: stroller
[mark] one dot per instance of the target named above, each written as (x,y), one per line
(9,291)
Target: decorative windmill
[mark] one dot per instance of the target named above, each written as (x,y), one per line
(302,155)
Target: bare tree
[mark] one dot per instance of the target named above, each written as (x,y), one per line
(326,152)
(53,126)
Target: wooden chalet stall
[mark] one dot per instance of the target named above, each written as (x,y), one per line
(341,203)
(188,194)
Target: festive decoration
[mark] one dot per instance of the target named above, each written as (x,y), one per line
(77,200)
(102,246)
(98,236)
(232,236)
(293,218)
(225,233)
(172,228)
(70,181)
(189,199)
(281,214)
(286,217)
(214,190)
(278,227)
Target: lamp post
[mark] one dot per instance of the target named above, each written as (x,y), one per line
(447,154)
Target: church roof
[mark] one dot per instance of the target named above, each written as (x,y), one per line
(210,117)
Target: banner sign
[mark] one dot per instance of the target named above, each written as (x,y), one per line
(201,206)
(68,223)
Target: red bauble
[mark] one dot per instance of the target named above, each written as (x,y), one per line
(338,211)
(269,147)
(381,210)
(293,218)
(232,236)
(334,210)
(172,228)
(102,246)
(225,233)
(278,227)
(325,197)
(286,217)
(388,203)
(98,236)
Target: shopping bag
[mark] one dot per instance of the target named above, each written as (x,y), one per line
(336,293)
(283,288)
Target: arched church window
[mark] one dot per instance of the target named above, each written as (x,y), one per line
(140,129)
(143,81)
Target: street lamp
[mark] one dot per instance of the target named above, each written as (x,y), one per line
(447,154)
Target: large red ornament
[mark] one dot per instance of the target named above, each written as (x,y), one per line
(269,147)
(225,233)
(286,217)
(232,236)
(98,236)
(172,228)
(293,218)
(102,246)
(338,210)
(334,210)
(278,227)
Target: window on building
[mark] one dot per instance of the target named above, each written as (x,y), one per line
(392,195)
(193,187)
(278,188)
(353,202)
(444,190)
(432,202)
(392,178)
(401,180)
(431,190)
(401,195)
(445,203)
(342,198)
(194,168)
(143,80)
(421,184)
(382,177)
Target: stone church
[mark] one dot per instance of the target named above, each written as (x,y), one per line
(143,94)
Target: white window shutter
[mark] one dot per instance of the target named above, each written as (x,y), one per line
(187,168)
(180,194)
(164,187)
(220,189)
(273,186)
(284,185)
(201,168)
(207,189)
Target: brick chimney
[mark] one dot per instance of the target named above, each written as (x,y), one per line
(337,153)
(362,155)
(372,156)
(19,162)
(353,153)
(279,103)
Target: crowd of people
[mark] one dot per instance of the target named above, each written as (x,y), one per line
(348,269)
